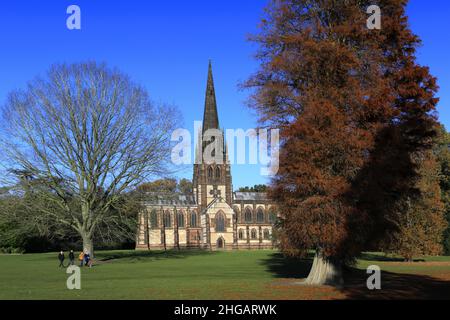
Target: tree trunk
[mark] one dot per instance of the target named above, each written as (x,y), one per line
(325,271)
(85,232)
(88,244)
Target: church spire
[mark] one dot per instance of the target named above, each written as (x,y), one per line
(210,116)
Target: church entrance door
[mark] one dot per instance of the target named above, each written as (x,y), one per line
(220,243)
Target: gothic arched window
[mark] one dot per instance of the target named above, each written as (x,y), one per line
(193,219)
(236,213)
(266,234)
(217,173)
(241,234)
(167,220)
(180,220)
(154,219)
(210,172)
(220,222)
(248,215)
(253,234)
(260,215)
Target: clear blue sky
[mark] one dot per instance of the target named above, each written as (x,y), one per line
(165,46)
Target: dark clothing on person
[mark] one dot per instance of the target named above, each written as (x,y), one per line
(87,258)
(72,258)
(61,259)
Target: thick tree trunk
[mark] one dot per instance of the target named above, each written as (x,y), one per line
(325,271)
(86,232)
(88,245)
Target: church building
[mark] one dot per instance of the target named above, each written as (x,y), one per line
(213,216)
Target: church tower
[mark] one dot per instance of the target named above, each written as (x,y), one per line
(213,217)
(212,179)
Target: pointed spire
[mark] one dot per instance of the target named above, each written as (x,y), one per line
(210,116)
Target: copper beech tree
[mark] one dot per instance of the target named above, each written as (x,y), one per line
(351,102)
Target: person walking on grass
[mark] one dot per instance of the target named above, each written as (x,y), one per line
(87,258)
(81,258)
(89,263)
(61,259)
(71,258)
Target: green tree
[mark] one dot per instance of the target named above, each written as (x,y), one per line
(27,219)
(255,188)
(442,152)
(421,222)
(185,186)
(166,185)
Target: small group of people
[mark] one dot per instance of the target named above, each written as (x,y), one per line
(83,257)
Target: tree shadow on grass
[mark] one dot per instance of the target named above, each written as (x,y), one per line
(379,257)
(287,267)
(395,286)
(384,258)
(150,255)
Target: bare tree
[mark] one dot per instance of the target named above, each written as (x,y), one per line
(91,134)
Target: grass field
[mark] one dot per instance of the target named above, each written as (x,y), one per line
(214,275)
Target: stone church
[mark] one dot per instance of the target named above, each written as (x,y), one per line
(213,216)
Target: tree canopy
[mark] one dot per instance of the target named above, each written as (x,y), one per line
(357,122)
(88,134)
(166,185)
(255,188)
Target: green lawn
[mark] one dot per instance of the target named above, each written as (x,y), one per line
(261,274)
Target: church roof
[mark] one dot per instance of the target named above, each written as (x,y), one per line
(164,199)
(243,196)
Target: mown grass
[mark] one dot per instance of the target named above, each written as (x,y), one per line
(182,275)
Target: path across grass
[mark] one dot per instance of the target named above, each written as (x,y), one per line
(261,274)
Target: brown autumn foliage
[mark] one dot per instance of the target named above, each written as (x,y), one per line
(355,110)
